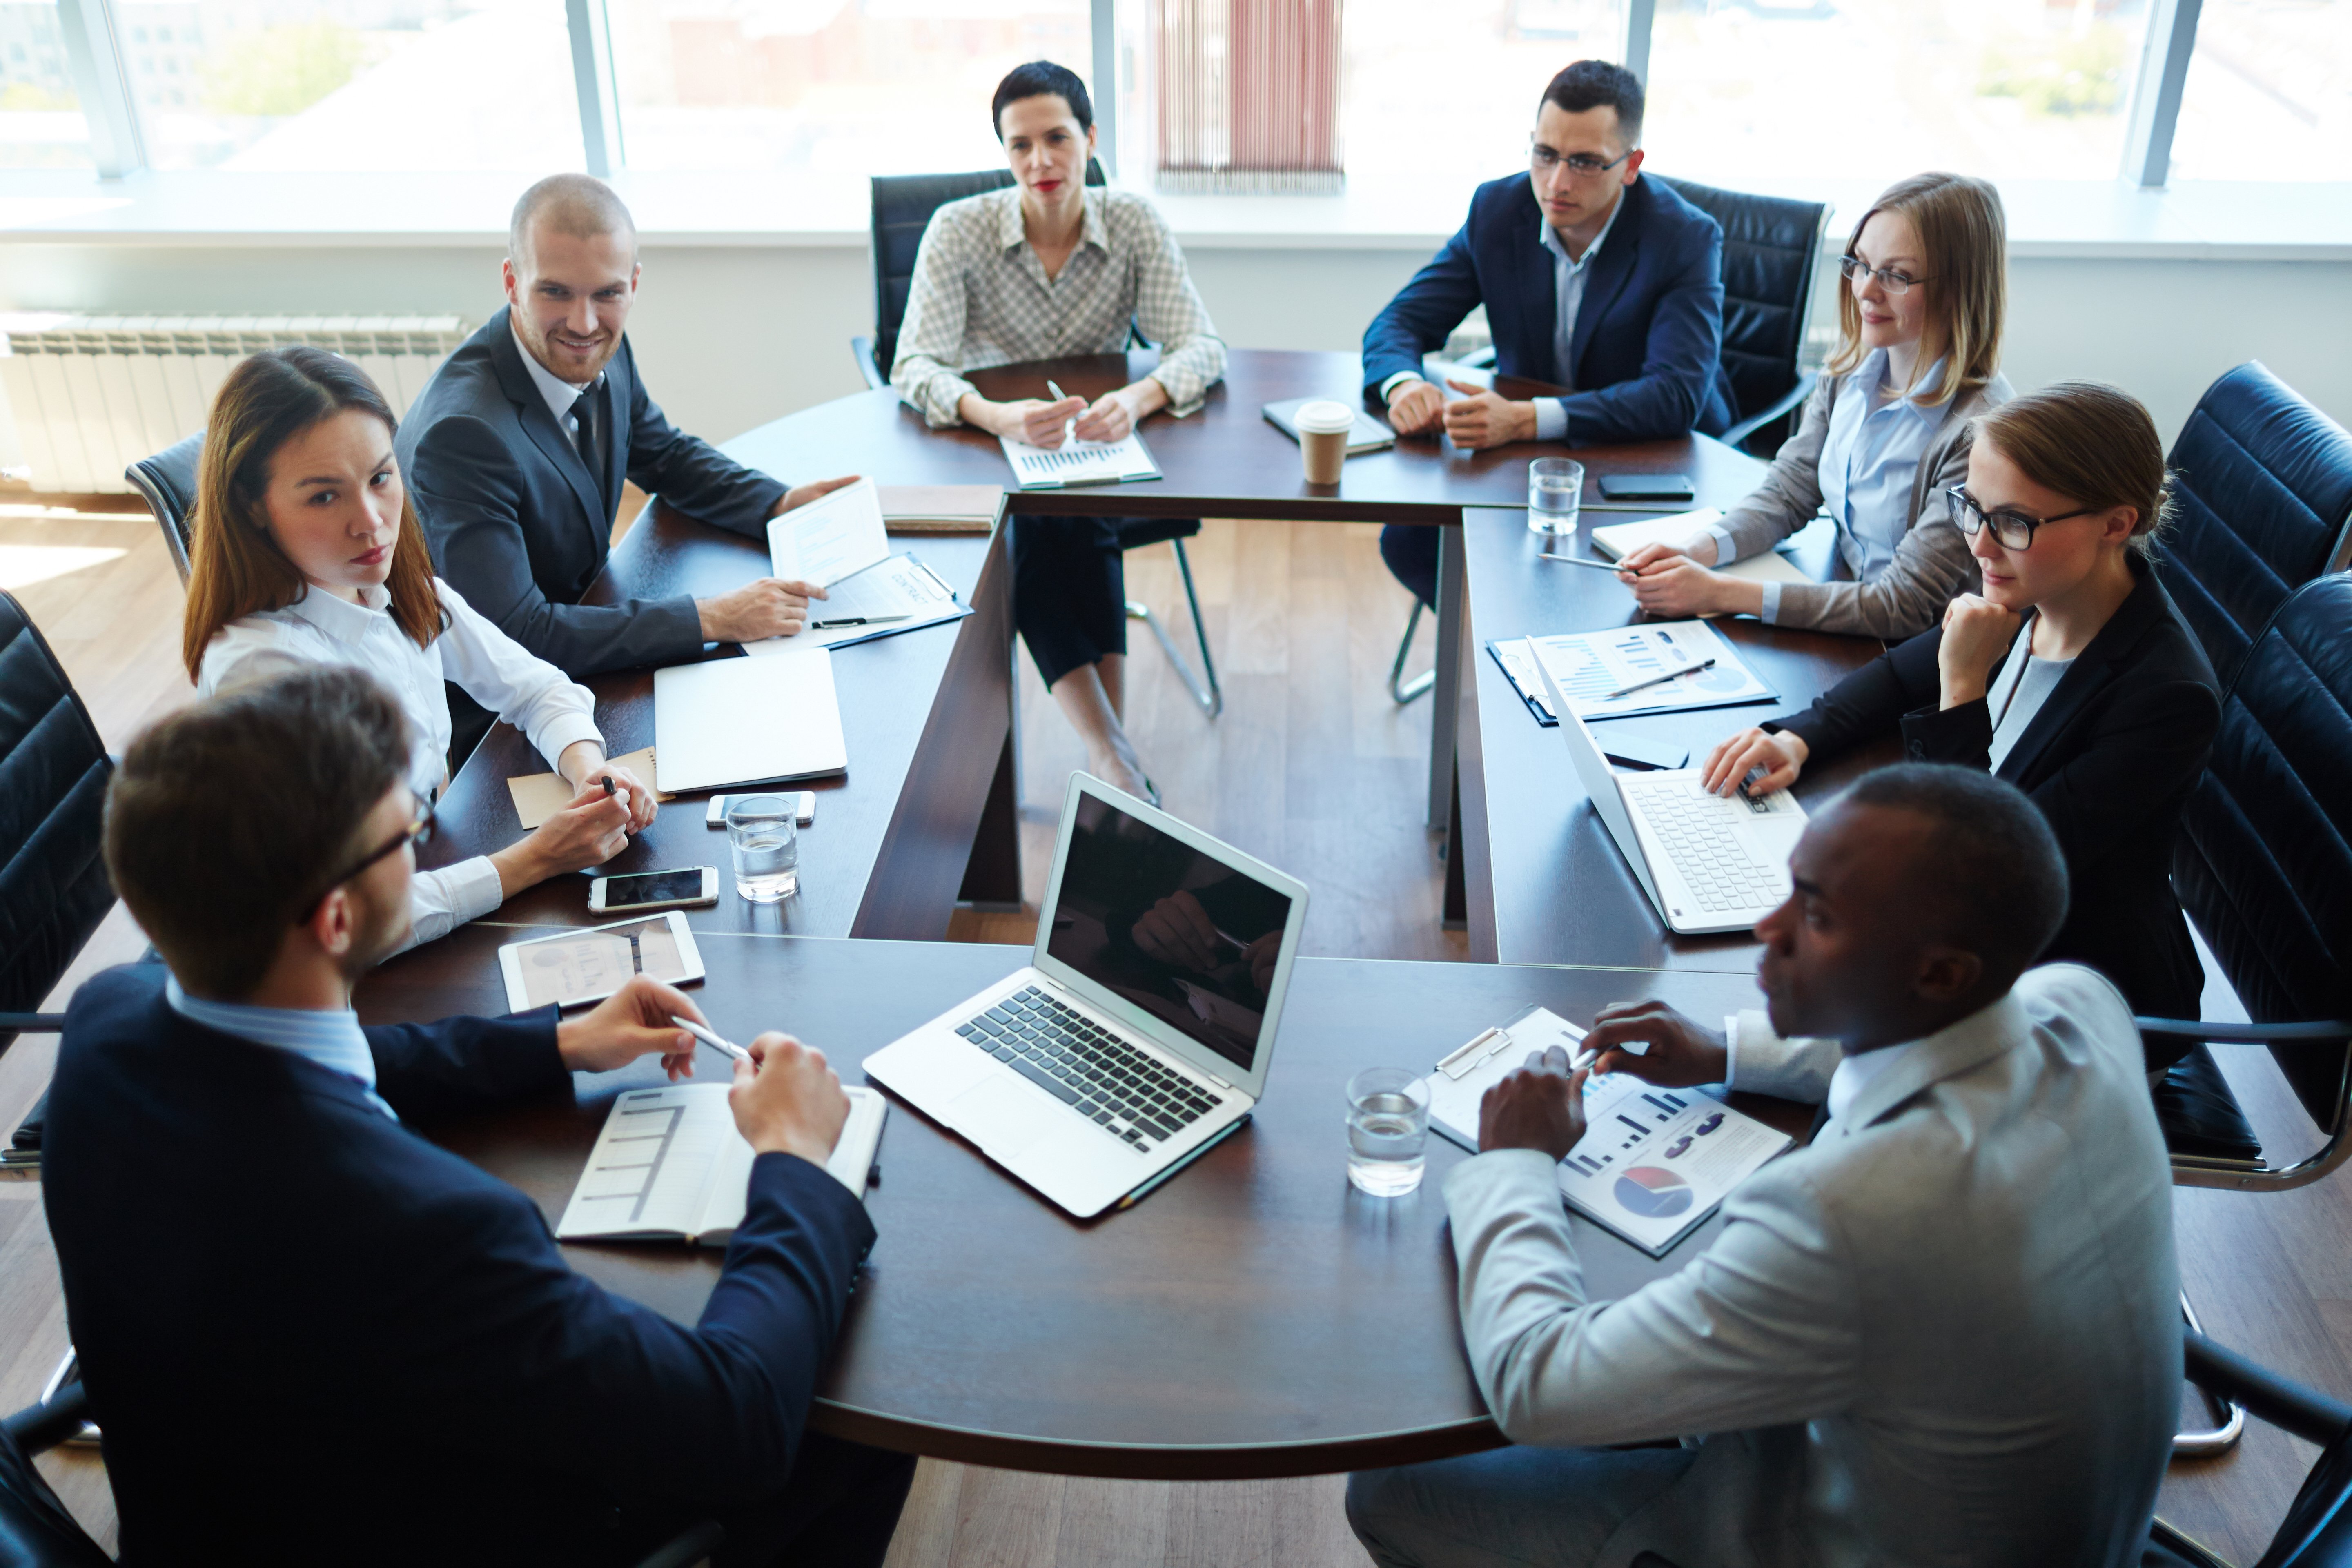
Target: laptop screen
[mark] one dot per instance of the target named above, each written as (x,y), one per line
(1178,932)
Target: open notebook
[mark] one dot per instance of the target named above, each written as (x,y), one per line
(669,1166)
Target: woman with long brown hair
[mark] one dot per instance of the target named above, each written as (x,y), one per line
(305,550)
(2071,675)
(1884,434)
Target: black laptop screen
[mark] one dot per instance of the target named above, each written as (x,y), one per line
(1179,933)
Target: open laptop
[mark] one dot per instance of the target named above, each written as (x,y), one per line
(1142,1028)
(1709,863)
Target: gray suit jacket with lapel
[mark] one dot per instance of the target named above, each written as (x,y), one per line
(520,527)
(1947,1332)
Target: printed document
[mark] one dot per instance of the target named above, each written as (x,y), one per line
(833,537)
(1077,462)
(1589,666)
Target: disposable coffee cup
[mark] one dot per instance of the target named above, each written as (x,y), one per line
(1323,431)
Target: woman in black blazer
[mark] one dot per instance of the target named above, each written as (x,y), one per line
(2103,711)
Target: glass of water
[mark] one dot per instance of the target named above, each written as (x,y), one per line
(1555,494)
(761,832)
(1387,1127)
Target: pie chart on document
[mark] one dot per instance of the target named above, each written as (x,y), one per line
(1654,1194)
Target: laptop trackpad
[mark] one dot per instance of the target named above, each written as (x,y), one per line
(1005,1115)
(1769,840)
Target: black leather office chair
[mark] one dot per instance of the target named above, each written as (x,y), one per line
(2262,483)
(903,205)
(168,482)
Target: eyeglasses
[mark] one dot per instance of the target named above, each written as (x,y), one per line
(1583,166)
(1855,269)
(418,831)
(2014,529)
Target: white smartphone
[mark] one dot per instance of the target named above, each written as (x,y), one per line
(574,967)
(678,889)
(804,813)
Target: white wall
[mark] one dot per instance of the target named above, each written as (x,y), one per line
(730,336)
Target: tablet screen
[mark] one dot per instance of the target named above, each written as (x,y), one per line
(568,969)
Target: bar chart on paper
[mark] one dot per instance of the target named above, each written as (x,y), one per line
(1590,667)
(1077,462)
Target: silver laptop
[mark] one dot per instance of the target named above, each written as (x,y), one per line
(1709,863)
(1141,1030)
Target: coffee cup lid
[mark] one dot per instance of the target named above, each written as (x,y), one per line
(1324,417)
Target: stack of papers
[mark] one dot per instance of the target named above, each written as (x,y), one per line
(1619,540)
(1077,462)
(940,508)
(839,542)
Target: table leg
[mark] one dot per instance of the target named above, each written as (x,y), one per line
(992,877)
(1445,700)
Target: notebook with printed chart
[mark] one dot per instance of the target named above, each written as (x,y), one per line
(1077,462)
(1707,862)
(1616,541)
(1141,1031)
(1652,1163)
(1593,667)
(839,544)
(670,1166)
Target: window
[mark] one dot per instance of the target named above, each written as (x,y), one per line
(41,124)
(352,86)
(2269,93)
(1762,92)
(846,88)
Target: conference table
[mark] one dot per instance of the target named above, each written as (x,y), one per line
(1255,1316)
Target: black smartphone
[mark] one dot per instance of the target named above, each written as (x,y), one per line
(1646,487)
(1633,751)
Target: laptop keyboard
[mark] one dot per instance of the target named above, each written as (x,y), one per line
(1697,831)
(1087,1067)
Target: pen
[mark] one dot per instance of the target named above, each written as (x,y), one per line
(1059,395)
(1581,561)
(1659,680)
(707,1038)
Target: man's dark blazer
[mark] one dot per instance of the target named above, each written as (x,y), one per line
(2110,759)
(311,1336)
(1649,332)
(520,527)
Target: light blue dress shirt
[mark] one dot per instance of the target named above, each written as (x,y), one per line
(1568,293)
(331,1040)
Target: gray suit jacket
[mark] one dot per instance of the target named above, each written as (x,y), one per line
(1946,1332)
(1932,564)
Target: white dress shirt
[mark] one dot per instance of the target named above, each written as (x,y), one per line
(493,668)
(330,1038)
(560,394)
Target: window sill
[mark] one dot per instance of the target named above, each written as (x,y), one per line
(2244,221)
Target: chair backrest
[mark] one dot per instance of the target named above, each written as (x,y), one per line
(53,776)
(168,480)
(903,205)
(2262,483)
(2263,864)
(1770,248)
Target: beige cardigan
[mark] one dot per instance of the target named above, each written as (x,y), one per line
(1932,564)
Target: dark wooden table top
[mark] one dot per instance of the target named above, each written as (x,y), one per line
(1226,460)
(1254,1317)
(924,715)
(1546,882)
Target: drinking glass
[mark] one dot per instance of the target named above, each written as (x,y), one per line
(1555,494)
(1388,1128)
(762,833)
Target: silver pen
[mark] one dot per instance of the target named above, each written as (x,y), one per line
(1659,680)
(707,1038)
(1580,561)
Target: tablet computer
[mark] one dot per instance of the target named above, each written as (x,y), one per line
(575,967)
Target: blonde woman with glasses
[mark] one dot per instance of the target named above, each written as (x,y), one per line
(1884,434)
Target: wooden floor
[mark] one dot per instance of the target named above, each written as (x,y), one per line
(1311,768)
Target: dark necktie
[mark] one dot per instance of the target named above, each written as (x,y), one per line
(592,450)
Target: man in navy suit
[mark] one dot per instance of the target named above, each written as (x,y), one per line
(516,450)
(311,1336)
(1594,278)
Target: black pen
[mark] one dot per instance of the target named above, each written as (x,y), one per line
(1658,680)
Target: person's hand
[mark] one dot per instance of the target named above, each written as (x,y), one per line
(767,607)
(786,1101)
(1538,1106)
(588,832)
(1977,632)
(633,1022)
(1415,407)
(801,495)
(1681,1055)
(1261,955)
(1780,754)
(1178,931)
(1675,587)
(584,767)
(1033,420)
(1701,550)
(1484,418)
(1108,418)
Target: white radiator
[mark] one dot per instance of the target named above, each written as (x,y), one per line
(90,395)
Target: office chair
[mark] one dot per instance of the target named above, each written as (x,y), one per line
(903,205)
(168,482)
(37,1532)
(2317,1529)
(2262,504)
(1771,248)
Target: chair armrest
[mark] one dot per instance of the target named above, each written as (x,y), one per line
(1792,398)
(1477,359)
(862,350)
(39,1427)
(32,1023)
(2321,1031)
(2288,1406)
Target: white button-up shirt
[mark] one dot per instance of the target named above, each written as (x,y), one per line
(529,693)
(560,394)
